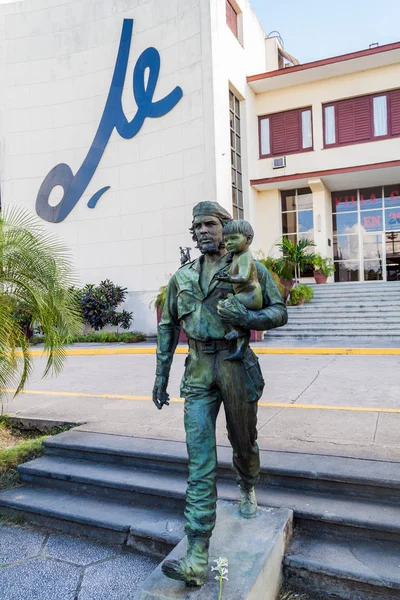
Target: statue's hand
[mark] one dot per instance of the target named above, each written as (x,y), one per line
(160,395)
(223,277)
(232,311)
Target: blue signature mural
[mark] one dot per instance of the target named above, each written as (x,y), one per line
(113,117)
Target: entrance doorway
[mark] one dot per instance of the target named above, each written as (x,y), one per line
(366,234)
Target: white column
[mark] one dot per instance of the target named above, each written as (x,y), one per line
(322,208)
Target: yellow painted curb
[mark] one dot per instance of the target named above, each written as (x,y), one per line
(259,351)
(365,409)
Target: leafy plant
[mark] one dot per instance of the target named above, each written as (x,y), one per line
(281,276)
(323,265)
(296,256)
(301,293)
(99,304)
(161,297)
(35,291)
(104,337)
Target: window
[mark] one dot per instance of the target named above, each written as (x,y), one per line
(236,157)
(362,119)
(232,19)
(366,231)
(298,217)
(286,133)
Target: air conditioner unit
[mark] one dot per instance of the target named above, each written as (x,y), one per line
(279,163)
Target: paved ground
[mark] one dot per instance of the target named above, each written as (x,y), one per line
(40,565)
(346,405)
(327,403)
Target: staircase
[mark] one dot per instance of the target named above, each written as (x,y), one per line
(131,491)
(357,310)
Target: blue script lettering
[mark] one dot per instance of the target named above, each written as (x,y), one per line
(113,116)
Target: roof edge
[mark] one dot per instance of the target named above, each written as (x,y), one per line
(325,61)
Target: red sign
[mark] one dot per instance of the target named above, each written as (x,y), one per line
(371,199)
(372,221)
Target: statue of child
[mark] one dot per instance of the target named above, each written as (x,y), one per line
(238,235)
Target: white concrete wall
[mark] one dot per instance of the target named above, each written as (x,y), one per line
(57,62)
(232,62)
(267,216)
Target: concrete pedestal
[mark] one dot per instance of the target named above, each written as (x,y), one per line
(254,548)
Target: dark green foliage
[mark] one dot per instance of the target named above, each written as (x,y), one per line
(35,292)
(103,337)
(296,256)
(301,293)
(160,300)
(280,266)
(323,265)
(99,305)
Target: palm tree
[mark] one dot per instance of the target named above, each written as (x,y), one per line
(35,276)
(296,255)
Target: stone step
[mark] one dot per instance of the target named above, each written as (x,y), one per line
(345,476)
(254,548)
(349,475)
(347,568)
(112,519)
(384,311)
(346,318)
(356,327)
(122,483)
(140,527)
(313,333)
(153,455)
(153,488)
(81,486)
(366,285)
(356,301)
(353,489)
(384,297)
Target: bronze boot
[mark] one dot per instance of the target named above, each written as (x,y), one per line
(248,503)
(192,568)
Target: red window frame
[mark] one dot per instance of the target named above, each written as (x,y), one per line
(372,138)
(285,152)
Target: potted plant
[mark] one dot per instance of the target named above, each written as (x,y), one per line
(296,256)
(301,293)
(323,268)
(281,273)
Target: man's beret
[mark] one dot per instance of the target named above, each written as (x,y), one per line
(212,209)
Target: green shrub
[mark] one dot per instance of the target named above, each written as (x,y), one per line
(301,293)
(99,304)
(323,265)
(161,297)
(103,337)
(297,256)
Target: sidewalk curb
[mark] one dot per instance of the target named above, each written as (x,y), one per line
(256,350)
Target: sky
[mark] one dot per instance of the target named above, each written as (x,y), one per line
(314,29)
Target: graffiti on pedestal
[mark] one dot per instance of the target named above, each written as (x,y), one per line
(145,78)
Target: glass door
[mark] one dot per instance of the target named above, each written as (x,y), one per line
(366,234)
(392,231)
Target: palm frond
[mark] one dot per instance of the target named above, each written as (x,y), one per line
(36,272)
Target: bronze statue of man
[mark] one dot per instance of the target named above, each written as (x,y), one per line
(192,302)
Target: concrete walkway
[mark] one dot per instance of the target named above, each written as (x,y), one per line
(340,404)
(37,564)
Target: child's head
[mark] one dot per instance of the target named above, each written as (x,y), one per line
(238,235)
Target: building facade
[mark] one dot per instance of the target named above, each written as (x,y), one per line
(326,166)
(117,117)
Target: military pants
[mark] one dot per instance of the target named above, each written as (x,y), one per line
(208,381)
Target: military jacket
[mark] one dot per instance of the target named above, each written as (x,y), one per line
(187,306)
